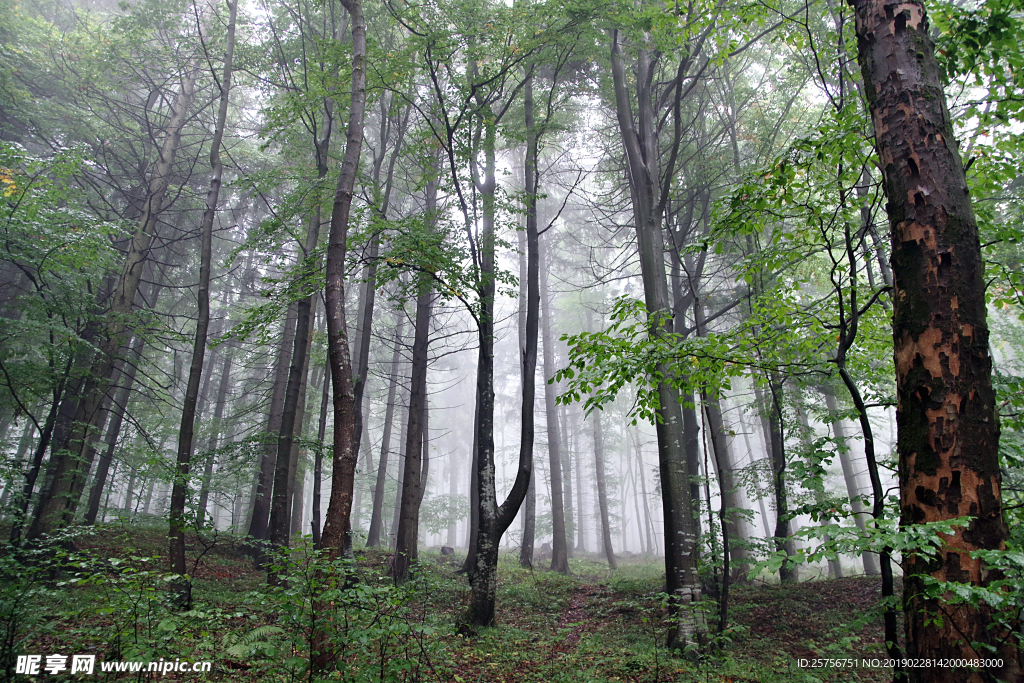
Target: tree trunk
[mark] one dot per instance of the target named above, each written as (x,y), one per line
(567,477)
(120,402)
(559,544)
(337,522)
(369,290)
(416,457)
(835,567)
(292,414)
(602,491)
(529,303)
(377,514)
(213,442)
(649,196)
(396,510)
(453,490)
(260,520)
(182,589)
(56,505)
(407,533)
(745,430)
(493,519)
(772,425)
(860,514)
(946,417)
(318,461)
(727,485)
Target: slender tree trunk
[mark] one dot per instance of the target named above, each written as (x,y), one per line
(416,457)
(182,589)
(149,496)
(567,497)
(24,443)
(260,521)
(771,425)
(369,290)
(493,519)
(602,491)
(376,515)
(396,510)
(212,443)
(318,462)
(860,513)
(559,545)
(835,567)
(110,491)
(652,546)
(581,527)
(727,485)
(345,451)
(407,532)
(474,508)
(292,416)
(337,522)
(120,402)
(745,430)
(453,490)
(529,304)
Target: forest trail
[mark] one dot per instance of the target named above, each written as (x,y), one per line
(576,617)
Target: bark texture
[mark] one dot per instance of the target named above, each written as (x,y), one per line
(948,427)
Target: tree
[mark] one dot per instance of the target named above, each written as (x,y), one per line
(948,428)
(182,587)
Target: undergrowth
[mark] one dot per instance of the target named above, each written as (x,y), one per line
(102,592)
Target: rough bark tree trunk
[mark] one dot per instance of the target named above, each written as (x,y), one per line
(948,426)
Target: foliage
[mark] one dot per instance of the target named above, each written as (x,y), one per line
(440,512)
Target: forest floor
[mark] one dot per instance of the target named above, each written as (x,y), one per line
(591,627)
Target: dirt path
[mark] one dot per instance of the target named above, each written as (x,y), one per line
(577,617)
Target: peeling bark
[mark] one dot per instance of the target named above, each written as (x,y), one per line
(946,418)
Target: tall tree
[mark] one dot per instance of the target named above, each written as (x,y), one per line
(650,180)
(182,588)
(559,541)
(57,504)
(948,428)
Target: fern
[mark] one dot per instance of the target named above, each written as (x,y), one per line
(255,641)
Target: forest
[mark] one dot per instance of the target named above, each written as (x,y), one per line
(494,341)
